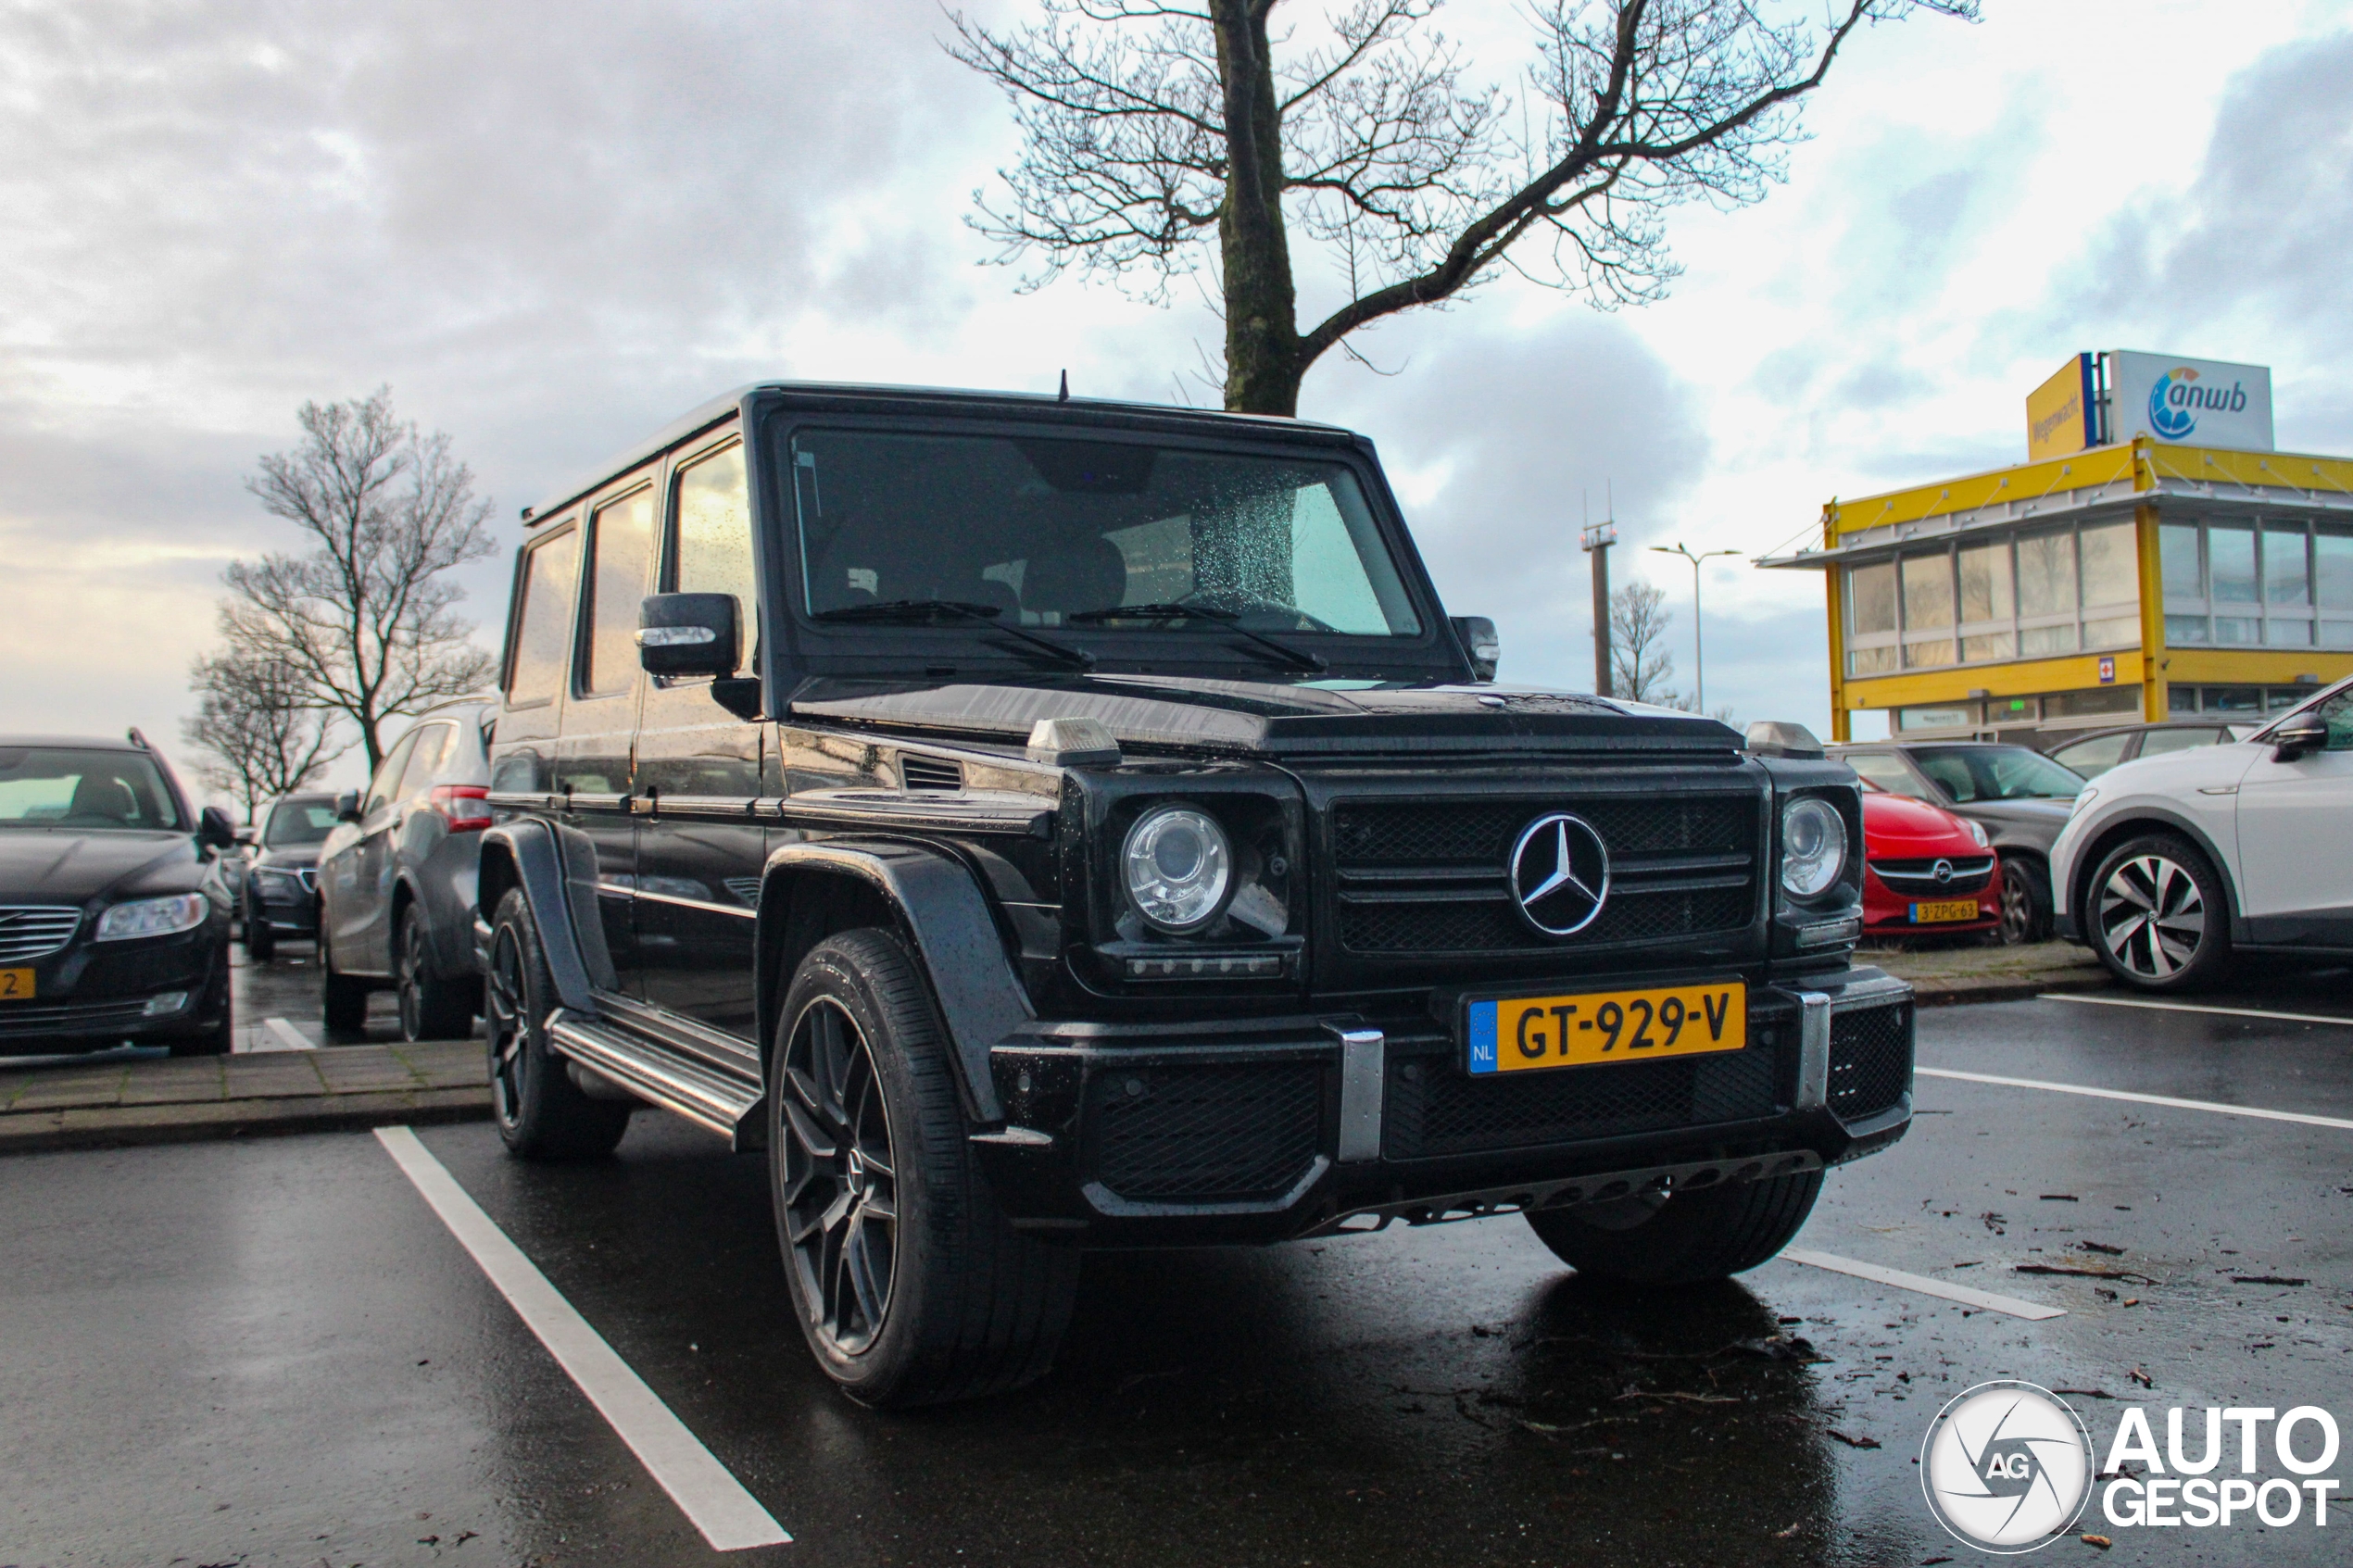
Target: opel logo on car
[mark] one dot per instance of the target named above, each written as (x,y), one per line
(1560,873)
(1942,872)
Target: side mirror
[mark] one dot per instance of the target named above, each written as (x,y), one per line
(348,806)
(1479,641)
(2306,732)
(1779,737)
(688,634)
(214,830)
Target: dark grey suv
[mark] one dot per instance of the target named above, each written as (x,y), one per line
(397,881)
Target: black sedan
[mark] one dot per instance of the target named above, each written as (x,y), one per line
(281,885)
(114,904)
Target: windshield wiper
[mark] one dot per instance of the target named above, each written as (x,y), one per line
(904,610)
(1296,658)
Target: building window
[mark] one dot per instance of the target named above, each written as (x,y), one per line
(2257,582)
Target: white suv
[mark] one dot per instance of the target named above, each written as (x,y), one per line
(2171,864)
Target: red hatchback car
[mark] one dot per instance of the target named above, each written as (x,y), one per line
(1925,870)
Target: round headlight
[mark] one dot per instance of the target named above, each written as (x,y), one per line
(1813,848)
(1178,867)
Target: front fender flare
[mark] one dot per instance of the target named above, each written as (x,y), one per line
(946,917)
(539,854)
(2140,818)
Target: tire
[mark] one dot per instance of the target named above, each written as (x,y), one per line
(916,1290)
(343,999)
(1690,1239)
(2026,903)
(540,1111)
(2164,876)
(430,1008)
(221,1038)
(261,943)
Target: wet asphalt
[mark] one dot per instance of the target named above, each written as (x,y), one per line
(272,1352)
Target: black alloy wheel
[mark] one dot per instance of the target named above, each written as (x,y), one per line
(2158,915)
(541,1113)
(430,1008)
(1689,1238)
(343,999)
(840,1191)
(910,1284)
(2025,909)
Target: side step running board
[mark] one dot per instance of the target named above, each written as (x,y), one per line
(720,1102)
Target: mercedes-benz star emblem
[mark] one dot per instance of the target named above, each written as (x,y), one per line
(1560,873)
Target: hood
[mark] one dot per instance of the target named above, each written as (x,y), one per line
(1271,719)
(59,866)
(1896,827)
(289,856)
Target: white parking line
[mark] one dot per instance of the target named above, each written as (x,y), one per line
(2191,1007)
(729,1517)
(283,1036)
(2256,1112)
(1985,1299)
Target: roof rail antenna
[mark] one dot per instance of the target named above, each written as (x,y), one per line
(1064,395)
(135,738)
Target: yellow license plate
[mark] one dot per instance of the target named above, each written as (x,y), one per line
(1521,1034)
(1944,908)
(16,984)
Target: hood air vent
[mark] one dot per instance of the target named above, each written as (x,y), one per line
(929,773)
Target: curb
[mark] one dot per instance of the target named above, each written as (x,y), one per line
(122,1126)
(1959,993)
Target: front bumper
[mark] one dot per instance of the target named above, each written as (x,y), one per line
(1263,1130)
(288,908)
(93,995)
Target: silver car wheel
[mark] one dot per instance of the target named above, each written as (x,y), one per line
(2152,917)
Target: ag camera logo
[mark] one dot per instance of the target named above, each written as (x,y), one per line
(2007,1466)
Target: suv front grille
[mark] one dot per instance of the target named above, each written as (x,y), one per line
(1870,1059)
(1208,1134)
(1434,1107)
(31,931)
(1432,877)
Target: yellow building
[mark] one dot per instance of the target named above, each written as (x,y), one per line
(2139,580)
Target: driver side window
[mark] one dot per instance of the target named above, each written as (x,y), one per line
(2338,712)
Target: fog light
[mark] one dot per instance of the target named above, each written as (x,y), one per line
(1828,932)
(171,1001)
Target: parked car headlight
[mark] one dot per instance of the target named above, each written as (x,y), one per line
(1977,832)
(1813,848)
(1178,867)
(152,917)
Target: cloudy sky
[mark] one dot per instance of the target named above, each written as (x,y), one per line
(551,228)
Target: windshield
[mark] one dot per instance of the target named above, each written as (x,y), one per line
(60,787)
(299,822)
(1043,529)
(1996,772)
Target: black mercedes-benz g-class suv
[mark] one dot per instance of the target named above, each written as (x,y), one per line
(1045,824)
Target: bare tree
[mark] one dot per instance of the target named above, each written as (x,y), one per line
(1149,124)
(1640,665)
(256,735)
(361,624)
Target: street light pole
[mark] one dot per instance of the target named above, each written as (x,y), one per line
(1699,648)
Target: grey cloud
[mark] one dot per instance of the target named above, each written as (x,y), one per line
(2250,262)
(1533,425)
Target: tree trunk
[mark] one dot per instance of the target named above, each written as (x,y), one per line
(1262,323)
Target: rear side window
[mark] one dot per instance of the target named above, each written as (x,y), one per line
(713,553)
(1886,772)
(434,743)
(622,545)
(2156,743)
(383,788)
(2096,755)
(543,635)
